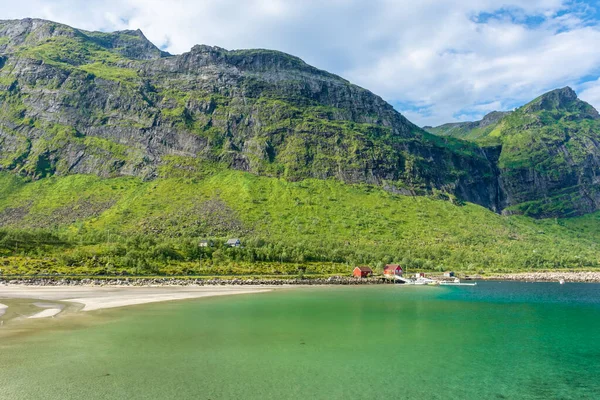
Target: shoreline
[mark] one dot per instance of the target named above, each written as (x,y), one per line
(58,301)
(188,282)
(83,295)
(567,276)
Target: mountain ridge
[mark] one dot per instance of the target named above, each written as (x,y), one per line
(74,105)
(113,104)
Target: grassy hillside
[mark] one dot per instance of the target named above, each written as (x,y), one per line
(87,225)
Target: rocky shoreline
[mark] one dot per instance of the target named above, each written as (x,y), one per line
(589,277)
(586,277)
(145,282)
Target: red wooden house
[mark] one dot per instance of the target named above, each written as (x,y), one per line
(362,272)
(392,269)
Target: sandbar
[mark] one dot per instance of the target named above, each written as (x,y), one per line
(97,298)
(47,313)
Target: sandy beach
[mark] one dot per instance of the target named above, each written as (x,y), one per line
(97,298)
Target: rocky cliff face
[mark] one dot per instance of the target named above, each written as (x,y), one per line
(113,104)
(549,155)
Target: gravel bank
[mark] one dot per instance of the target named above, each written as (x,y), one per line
(589,277)
(144,282)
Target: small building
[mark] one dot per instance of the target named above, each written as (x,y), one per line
(449,274)
(234,243)
(362,272)
(420,275)
(206,243)
(392,269)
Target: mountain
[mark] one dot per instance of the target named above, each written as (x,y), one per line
(112,104)
(119,158)
(469,130)
(548,154)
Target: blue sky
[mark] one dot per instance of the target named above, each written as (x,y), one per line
(436,61)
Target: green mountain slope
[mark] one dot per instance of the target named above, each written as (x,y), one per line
(549,154)
(90,225)
(112,104)
(469,130)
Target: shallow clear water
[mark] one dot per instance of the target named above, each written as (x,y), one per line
(493,341)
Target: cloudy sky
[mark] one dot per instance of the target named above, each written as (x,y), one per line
(436,61)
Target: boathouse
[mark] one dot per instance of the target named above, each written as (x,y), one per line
(362,272)
(392,269)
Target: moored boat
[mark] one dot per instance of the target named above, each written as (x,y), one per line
(457,282)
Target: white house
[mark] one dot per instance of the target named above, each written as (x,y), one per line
(234,243)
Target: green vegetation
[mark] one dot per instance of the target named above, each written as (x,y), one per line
(81,53)
(118,226)
(110,72)
(548,148)
(471,131)
(298,141)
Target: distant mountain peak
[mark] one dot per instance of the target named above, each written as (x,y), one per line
(564,99)
(29,32)
(492,118)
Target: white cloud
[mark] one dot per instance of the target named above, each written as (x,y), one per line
(591,93)
(438,60)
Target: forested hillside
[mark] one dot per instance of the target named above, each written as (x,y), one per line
(88,225)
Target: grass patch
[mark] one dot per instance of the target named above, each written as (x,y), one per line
(110,72)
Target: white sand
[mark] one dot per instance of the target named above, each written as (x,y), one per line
(3,309)
(47,313)
(96,298)
(98,303)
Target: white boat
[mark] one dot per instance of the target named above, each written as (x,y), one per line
(457,282)
(422,282)
(562,281)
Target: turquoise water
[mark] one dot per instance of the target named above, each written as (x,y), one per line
(493,341)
